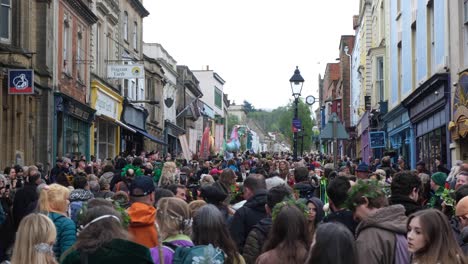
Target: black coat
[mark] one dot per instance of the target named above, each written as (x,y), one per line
(410,205)
(344,217)
(256,239)
(247,216)
(25,202)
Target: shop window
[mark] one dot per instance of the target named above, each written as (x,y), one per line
(432,145)
(76,136)
(218,98)
(106,140)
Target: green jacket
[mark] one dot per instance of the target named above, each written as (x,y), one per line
(117,251)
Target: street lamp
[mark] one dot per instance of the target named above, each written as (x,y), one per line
(296,86)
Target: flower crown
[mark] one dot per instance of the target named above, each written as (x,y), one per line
(289,202)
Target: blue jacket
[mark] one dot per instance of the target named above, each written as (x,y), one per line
(66,233)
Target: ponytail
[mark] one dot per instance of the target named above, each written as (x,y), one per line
(43,203)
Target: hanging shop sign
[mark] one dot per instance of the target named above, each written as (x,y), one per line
(377,139)
(128,71)
(20,81)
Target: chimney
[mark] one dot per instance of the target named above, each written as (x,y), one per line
(207,67)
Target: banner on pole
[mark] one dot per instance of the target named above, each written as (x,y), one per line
(185,148)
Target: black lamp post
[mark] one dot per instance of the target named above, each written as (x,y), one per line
(296,86)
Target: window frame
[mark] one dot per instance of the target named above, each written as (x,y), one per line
(9,26)
(125,26)
(135,35)
(218,93)
(379,77)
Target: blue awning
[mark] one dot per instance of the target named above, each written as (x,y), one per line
(149,136)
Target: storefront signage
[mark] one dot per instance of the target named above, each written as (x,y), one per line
(377,139)
(20,81)
(76,111)
(125,71)
(105,105)
(134,117)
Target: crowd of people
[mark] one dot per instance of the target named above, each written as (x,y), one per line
(253,208)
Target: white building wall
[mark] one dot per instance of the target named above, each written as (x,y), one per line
(208,82)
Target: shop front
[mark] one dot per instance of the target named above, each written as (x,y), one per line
(400,134)
(429,113)
(106,128)
(72,120)
(458,127)
(172,133)
(132,139)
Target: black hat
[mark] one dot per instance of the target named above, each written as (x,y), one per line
(212,195)
(141,186)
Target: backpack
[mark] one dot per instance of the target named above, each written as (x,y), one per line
(203,254)
(74,210)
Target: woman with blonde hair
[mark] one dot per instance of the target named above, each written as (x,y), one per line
(54,202)
(34,241)
(174,227)
(169,174)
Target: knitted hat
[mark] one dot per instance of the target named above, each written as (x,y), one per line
(439,178)
(462,207)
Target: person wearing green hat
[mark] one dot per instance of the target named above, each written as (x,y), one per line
(438,187)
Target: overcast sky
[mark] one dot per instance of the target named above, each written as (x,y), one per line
(254,45)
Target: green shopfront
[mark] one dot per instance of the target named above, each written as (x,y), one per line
(72,120)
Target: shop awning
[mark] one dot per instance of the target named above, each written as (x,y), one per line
(117,122)
(149,136)
(122,125)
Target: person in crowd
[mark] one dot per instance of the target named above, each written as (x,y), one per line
(438,187)
(125,184)
(274,181)
(168,174)
(421,167)
(79,196)
(175,227)
(425,193)
(316,214)
(120,163)
(54,202)
(259,233)
(104,188)
(56,170)
(337,191)
(142,212)
(26,198)
(303,185)
(283,170)
(62,179)
(253,210)
(333,243)
(405,189)
(224,183)
(387,167)
(122,198)
(381,234)
(430,239)
(7,229)
(216,197)
(460,222)
(103,239)
(461,179)
(454,171)
(206,179)
(402,164)
(440,166)
(160,193)
(195,206)
(34,241)
(209,227)
(205,169)
(362,171)
(288,240)
(179,191)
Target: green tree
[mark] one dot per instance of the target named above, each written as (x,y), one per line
(248,107)
(285,124)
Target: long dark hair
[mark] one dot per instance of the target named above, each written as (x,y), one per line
(334,243)
(209,227)
(441,246)
(288,234)
(101,232)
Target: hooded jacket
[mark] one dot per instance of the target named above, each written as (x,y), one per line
(247,216)
(380,236)
(305,189)
(116,252)
(142,224)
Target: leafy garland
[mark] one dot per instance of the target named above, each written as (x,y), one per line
(136,169)
(117,207)
(288,201)
(366,188)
